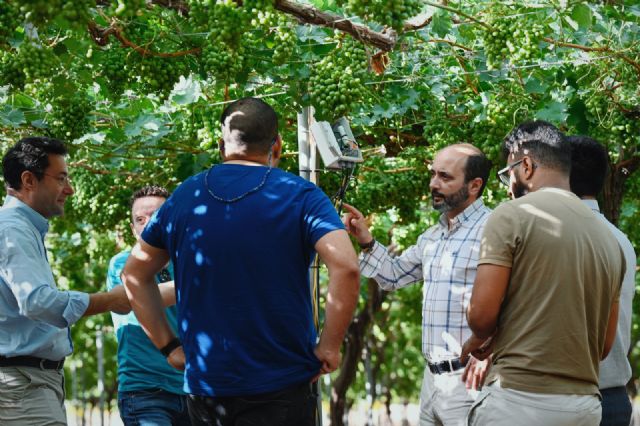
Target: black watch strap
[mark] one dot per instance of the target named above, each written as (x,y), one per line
(369,245)
(169,347)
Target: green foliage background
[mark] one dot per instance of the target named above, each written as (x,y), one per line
(136,88)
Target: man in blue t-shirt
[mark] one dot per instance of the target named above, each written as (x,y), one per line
(241,237)
(149,389)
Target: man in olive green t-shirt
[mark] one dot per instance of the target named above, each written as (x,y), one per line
(545,298)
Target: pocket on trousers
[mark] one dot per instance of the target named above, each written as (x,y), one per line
(14,383)
(480,401)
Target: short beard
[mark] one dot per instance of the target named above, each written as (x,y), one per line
(450,202)
(519,189)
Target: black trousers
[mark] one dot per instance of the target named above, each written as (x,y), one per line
(294,406)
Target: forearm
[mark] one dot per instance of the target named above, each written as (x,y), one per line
(391,273)
(148,304)
(342,298)
(98,304)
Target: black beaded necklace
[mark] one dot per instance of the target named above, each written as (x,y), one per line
(239,197)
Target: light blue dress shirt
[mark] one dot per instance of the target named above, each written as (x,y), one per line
(34,315)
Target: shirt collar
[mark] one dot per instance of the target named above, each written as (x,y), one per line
(464,216)
(36,219)
(592,204)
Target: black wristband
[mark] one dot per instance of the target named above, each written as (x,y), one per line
(369,245)
(169,347)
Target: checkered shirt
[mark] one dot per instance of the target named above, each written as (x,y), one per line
(446,260)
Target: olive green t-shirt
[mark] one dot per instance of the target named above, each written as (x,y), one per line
(566,270)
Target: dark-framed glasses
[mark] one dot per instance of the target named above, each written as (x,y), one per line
(63,180)
(503,174)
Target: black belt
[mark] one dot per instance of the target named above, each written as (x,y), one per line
(447,366)
(31,361)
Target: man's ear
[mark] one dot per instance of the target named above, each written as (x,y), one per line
(474,187)
(528,167)
(28,180)
(277,148)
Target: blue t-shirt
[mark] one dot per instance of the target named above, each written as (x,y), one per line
(242,276)
(140,364)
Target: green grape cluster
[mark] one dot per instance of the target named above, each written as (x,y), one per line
(337,83)
(222,61)
(510,39)
(286,41)
(610,123)
(11,72)
(127,9)
(198,125)
(29,63)
(501,117)
(263,13)
(439,132)
(10,18)
(69,116)
(392,13)
(114,69)
(41,11)
(224,20)
(159,75)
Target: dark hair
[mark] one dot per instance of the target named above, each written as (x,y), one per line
(149,191)
(29,154)
(256,123)
(478,166)
(544,141)
(589,165)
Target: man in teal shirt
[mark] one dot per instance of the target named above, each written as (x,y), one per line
(149,389)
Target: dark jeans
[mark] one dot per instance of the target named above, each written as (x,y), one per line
(616,407)
(294,406)
(153,407)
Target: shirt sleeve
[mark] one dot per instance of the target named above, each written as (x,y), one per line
(29,278)
(154,233)
(501,237)
(393,273)
(320,217)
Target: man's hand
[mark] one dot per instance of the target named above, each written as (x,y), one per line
(476,372)
(118,300)
(330,358)
(356,224)
(481,349)
(176,358)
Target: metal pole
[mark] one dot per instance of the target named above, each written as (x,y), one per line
(303,143)
(100,350)
(307,159)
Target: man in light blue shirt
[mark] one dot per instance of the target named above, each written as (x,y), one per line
(150,391)
(589,166)
(34,315)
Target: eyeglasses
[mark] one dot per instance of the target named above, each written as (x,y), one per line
(62,180)
(503,174)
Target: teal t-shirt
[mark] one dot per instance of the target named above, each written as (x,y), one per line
(140,364)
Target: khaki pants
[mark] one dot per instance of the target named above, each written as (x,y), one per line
(444,399)
(31,397)
(497,406)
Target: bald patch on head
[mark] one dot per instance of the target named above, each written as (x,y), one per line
(463,148)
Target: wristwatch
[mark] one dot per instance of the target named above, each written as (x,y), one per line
(170,347)
(367,246)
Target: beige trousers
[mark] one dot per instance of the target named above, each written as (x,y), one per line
(31,397)
(497,406)
(444,399)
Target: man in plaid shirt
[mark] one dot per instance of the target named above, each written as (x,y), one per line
(445,257)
